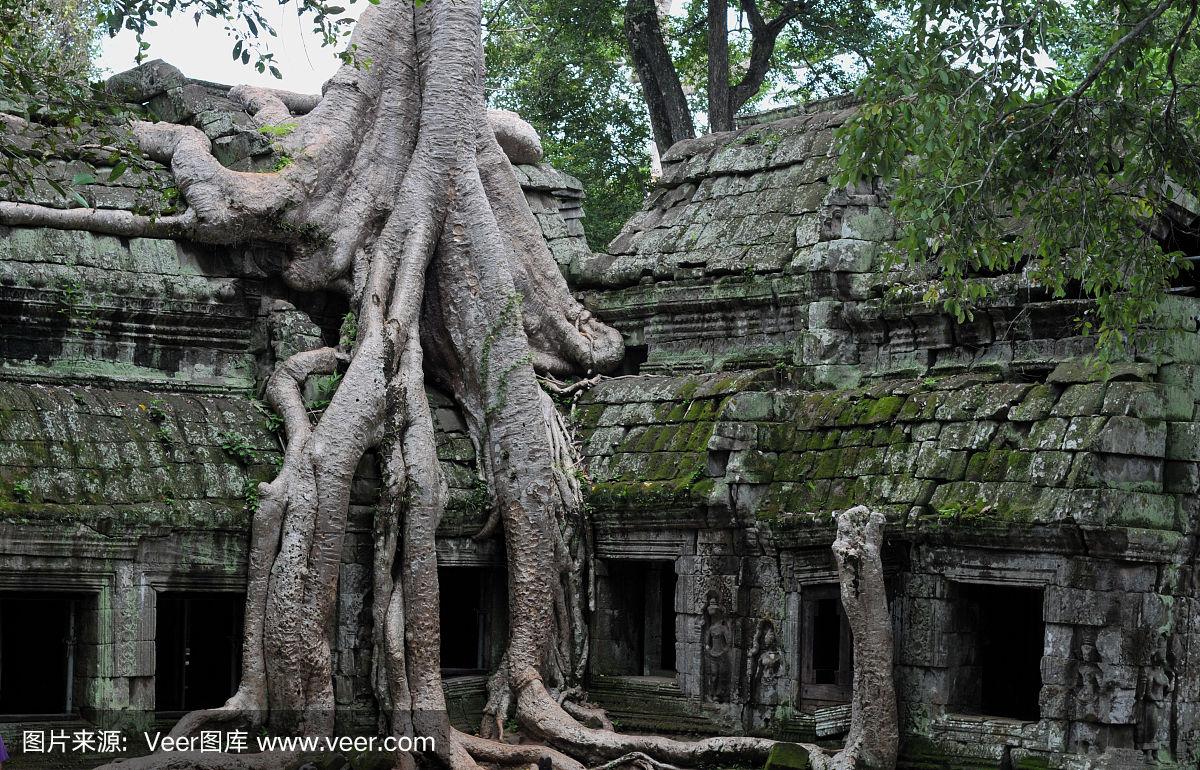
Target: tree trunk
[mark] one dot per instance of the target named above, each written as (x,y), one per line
(670,117)
(873,740)
(720,104)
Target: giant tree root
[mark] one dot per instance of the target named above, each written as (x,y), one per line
(401,194)
(874,739)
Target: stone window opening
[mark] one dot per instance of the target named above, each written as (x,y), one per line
(1000,639)
(471,597)
(40,665)
(826,652)
(635,635)
(197,649)
(635,356)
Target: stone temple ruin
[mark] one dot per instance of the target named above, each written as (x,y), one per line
(1043,516)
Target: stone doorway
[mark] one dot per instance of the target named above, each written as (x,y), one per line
(472,599)
(198,649)
(635,634)
(826,652)
(39,664)
(1001,640)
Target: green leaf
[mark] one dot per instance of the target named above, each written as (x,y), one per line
(83,178)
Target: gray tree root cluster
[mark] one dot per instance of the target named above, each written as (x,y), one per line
(401,195)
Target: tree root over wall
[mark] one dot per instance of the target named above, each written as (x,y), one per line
(401,195)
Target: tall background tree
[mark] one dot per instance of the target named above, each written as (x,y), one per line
(738,53)
(561,65)
(1055,138)
(598,77)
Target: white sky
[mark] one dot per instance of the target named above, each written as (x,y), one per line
(204,51)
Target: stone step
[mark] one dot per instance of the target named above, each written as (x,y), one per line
(655,704)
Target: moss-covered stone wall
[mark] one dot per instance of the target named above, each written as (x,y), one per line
(789,369)
(960,450)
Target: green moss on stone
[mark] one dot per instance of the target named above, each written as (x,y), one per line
(787,756)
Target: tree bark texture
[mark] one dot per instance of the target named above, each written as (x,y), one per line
(720,106)
(873,740)
(670,117)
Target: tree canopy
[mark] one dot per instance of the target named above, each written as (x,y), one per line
(1058,138)
(597,78)
(46,71)
(561,65)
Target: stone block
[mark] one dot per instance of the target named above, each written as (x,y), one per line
(1054,701)
(1155,610)
(233,150)
(1132,436)
(749,406)
(1181,390)
(1101,575)
(1115,508)
(840,256)
(1178,346)
(1183,441)
(826,314)
(751,467)
(1049,469)
(1080,399)
(1082,432)
(830,347)
(1120,704)
(1138,474)
(732,436)
(807,234)
(1182,477)
(900,458)
(936,462)
(869,224)
(836,375)
(1073,371)
(1135,399)
(1047,434)
(134,659)
(1074,606)
(926,431)
(788,756)
(966,435)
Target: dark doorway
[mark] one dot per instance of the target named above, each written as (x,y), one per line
(38,635)
(827,641)
(826,652)
(198,649)
(635,356)
(1009,641)
(463,593)
(666,594)
(635,635)
(626,589)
